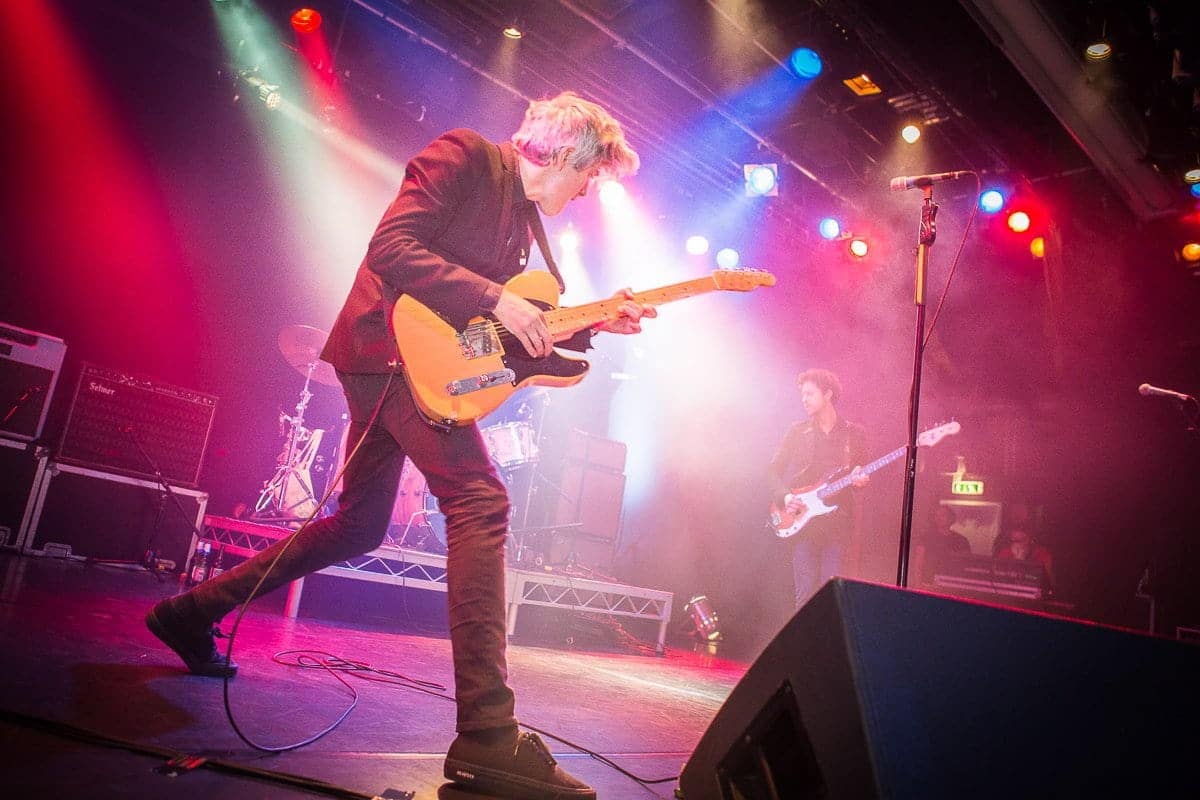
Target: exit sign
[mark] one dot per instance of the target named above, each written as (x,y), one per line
(966,487)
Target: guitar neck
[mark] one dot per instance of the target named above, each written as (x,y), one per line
(843,482)
(564,322)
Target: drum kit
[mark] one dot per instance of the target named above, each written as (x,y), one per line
(291,495)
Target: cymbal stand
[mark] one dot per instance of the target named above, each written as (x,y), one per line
(278,498)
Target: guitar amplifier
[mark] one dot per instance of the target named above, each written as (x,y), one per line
(130,425)
(591,494)
(29,367)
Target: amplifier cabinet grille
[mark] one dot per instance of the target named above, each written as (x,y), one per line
(115,417)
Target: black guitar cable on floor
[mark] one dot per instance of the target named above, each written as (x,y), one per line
(254,592)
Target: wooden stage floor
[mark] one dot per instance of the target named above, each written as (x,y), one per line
(77,654)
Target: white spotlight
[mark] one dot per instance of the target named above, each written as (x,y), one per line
(611,192)
(727,258)
(696,245)
(569,240)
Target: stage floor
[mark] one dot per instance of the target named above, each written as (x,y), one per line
(77,652)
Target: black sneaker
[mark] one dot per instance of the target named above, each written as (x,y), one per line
(190,638)
(520,768)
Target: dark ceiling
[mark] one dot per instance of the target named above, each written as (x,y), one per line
(701,86)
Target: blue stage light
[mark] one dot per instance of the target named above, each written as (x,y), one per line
(830,228)
(991,201)
(1195,189)
(806,63)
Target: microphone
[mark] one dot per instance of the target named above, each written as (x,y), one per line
(1146,390)
(921,181)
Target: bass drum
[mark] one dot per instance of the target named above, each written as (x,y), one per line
(416,520)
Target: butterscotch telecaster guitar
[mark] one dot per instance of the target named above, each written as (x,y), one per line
(456,377)
(809,502)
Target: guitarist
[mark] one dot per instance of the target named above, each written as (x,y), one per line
(810,452)
(457,230)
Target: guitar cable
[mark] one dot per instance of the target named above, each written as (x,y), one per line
(335,665)
(254,592)
(953,265)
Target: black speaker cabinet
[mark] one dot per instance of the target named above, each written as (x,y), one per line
(590,501)
(877,692)
(105,516)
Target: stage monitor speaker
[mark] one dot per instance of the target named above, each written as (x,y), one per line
(130,425)
(29,367)
(877,692)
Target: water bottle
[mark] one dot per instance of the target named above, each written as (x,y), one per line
(200,563)
(216,568)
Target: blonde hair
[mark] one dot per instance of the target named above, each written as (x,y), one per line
(568,121)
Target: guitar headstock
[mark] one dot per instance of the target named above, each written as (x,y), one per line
(934,435)
(742,280)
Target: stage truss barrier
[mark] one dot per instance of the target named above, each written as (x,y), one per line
(420,570)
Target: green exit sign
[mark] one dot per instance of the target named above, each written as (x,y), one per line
(966,487)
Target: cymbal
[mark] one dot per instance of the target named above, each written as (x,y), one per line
(301,348)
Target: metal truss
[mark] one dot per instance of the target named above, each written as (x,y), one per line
(421,570)
(578,594)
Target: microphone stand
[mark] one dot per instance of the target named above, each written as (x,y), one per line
(151,557)
(925,239)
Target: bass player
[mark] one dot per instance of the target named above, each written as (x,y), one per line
(811,451)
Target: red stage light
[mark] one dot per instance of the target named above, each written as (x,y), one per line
(306,20)
(1018,222)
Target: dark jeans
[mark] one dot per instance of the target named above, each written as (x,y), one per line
(817,554)
(475,504)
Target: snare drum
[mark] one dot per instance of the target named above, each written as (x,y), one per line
(511,443)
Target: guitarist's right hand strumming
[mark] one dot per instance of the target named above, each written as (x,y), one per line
(526,321)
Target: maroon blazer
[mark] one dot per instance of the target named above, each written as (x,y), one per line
(457,230)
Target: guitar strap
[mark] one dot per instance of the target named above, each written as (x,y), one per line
(539,235)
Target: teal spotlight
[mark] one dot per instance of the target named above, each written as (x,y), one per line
(806,63)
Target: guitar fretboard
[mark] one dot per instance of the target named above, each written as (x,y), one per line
(564,322)
(846,480)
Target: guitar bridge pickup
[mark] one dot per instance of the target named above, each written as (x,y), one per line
(478,382)
(478,340)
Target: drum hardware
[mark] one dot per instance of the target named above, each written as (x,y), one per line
(288,495)
(529,555)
